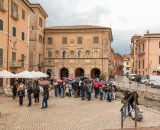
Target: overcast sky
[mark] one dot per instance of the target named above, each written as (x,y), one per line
(125,17)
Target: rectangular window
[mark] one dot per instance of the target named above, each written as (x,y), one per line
(40,22)
(14,31)
(143,46)
(40,39)
(23,14)
(143,64)
(1,4)
(139,64)
(14,10)
(64,40)
(22,60)
(127,63)
(13,56)
(127,68)
(49,40)
(159,59)
(159,44)
(1,24)
(1,57)
(79,40)
(23,36)
(95,39)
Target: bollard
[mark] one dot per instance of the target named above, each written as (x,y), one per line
(130,82)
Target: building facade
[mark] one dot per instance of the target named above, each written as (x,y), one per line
(14,35)
(36,44)
(126,65)
(146,53)
(74,51)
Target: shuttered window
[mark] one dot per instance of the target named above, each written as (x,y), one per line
(1,57)
(1,24)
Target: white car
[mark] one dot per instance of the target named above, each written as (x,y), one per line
(144,80)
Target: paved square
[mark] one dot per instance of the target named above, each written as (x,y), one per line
(68,114)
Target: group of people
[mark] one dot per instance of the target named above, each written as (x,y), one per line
(84,89)
(19,90)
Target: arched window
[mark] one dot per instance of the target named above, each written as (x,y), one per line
(95,54)
(64,54)
(79,54)
(49,54)
(71,53)
(87,53)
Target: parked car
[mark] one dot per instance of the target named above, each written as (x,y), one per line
(137,78)
(144,80)
(132,77)
(154,81)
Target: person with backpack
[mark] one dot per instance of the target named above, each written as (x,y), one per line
(89,90)
(45,97)
(21,95)
(36,92)
(30,91)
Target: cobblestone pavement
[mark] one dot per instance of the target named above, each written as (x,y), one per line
(68,114)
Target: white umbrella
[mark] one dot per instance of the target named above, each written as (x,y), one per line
(43,75)
(26,74)
(6,74)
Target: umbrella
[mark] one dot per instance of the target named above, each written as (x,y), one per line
(102,82)
(42,75)
(6,74)
(83,78)
(26,74)
(73,81)
(59,81)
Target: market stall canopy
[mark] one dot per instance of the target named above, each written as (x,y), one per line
(26,74)
(6,74)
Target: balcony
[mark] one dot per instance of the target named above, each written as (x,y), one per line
(15,64)
(3,7)
(15,15)
(141,52)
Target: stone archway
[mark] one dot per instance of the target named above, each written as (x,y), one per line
(64,72)
(95,73)
(79,72)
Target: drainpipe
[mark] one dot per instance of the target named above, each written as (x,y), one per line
(8,40)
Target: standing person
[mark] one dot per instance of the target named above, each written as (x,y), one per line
(36,92)
(30,91)
(96,88)
(14,89)
(45,97)
(89,90)
(109,93)
(67,90)
(62,87)
(114,91)
(83,89)
(21,95)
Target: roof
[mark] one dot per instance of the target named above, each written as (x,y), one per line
(77,27)
(26,3)
(37,5)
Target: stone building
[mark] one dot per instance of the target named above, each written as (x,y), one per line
(73,51)
(36,43)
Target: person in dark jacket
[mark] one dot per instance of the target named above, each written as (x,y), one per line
(21,95)
(14,89)
(36,92)
(30,91)
(45,97)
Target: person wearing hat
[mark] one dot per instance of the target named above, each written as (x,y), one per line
(21,95)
